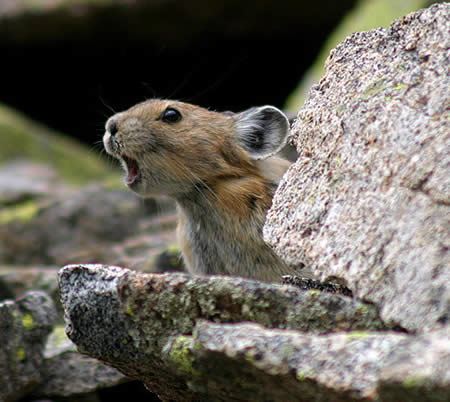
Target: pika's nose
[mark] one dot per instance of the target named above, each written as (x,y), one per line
(112,127)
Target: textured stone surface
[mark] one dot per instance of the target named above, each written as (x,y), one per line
(366,14)
(289,366)
(186,339)
(368,199)
(69,374)
(24,326)
(15,281)
(148,299)
(96,224)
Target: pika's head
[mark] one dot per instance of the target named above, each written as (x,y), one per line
(174,148)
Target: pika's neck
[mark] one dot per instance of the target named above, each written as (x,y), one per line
(220,229)
(228,198)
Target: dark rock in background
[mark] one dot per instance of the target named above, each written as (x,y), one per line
(99,223)
(70,62)
(16,280)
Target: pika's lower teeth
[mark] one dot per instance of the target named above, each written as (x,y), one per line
(132,170)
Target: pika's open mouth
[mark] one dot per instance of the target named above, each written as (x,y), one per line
(133,171)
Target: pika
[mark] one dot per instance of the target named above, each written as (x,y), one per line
(220,168)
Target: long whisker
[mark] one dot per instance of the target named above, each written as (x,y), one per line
(106,105)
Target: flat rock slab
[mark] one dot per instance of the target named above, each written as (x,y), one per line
(184,337)
(250,362)
(368,200)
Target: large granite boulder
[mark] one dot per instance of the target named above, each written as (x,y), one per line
(368,199)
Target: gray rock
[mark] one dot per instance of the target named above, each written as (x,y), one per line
(22,180)
(153,20)
(250,362)
(71,374)
(97,224)
(368,199)
(15,281)
(37,363)
(67,373)
(131,320)
(24,326)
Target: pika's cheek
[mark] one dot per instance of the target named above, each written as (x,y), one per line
(158,171)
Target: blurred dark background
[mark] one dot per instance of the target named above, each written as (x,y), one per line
(70,66)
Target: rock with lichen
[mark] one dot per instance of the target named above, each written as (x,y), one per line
(38,360)
(368,200)
(216,338)
(291,366)
(24,327)
(100,223)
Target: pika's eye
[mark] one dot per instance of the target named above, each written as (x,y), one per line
(171,115)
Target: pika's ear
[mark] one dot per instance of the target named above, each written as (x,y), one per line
(261,131)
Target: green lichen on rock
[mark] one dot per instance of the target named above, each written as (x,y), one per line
(363,309)
(358,334)
(58,342)
(20,354)
(374,88)
(28,321)
(181,355)
(302,375)
(22,212)
(129,310)
(413,382)
(173,249)
(314,292)
(168,260)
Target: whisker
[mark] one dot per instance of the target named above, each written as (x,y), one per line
(110,108)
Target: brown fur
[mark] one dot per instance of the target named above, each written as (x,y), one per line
(222,192)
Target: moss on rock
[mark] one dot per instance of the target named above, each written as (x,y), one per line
(181,355)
